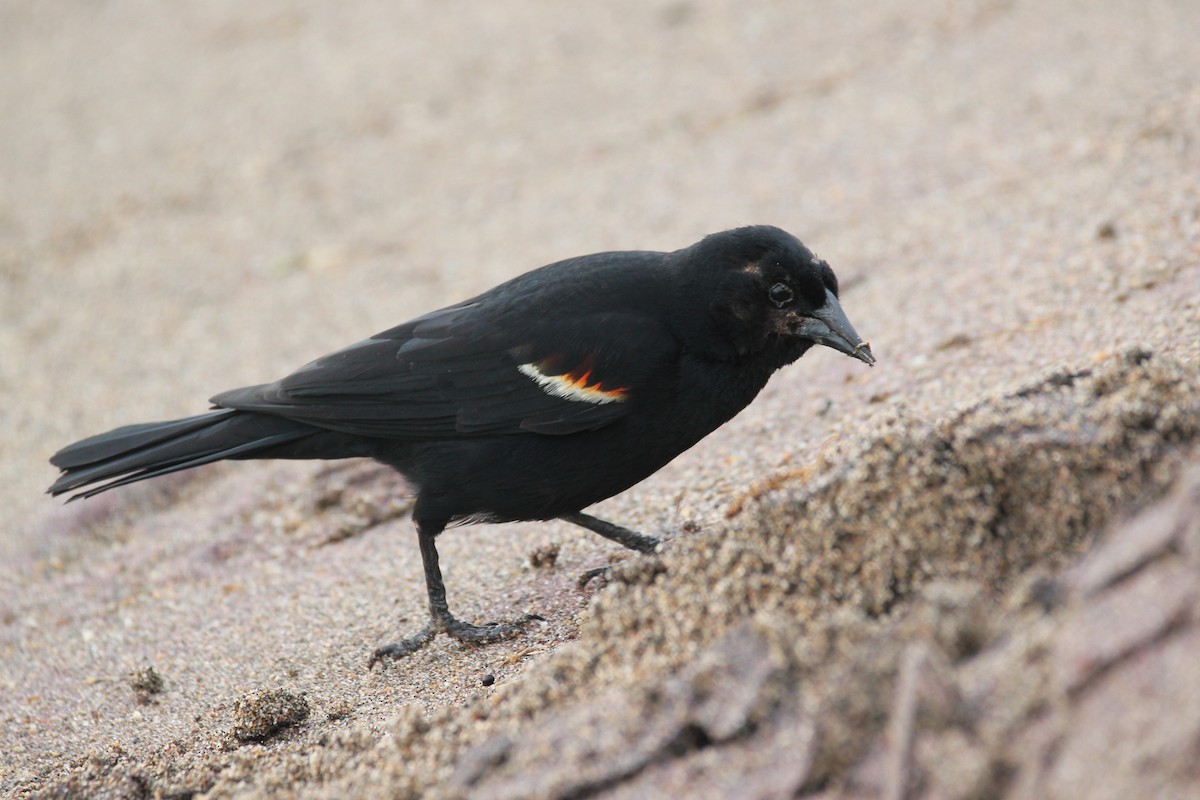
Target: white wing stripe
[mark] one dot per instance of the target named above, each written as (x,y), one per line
(570,388)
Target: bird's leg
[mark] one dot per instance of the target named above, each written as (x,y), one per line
(441,620)
(622,536)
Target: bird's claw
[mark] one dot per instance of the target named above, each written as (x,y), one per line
(403,648)
(456,629)
(599,572)
(491,632)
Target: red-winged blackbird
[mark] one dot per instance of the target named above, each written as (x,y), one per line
(532,401)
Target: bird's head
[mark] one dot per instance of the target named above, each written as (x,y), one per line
(768,294)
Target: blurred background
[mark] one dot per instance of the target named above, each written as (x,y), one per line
(198,196)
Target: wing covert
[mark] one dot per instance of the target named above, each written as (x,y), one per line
(456,373)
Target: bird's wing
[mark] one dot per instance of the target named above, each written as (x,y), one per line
(463,371)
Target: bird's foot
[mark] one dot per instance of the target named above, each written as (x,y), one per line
(456,629)
(491,632)
(599,573)
(403,648)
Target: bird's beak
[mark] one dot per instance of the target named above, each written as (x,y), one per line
(828,326)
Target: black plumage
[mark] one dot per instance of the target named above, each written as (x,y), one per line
(534,400)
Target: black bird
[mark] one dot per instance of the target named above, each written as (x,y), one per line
(532,401)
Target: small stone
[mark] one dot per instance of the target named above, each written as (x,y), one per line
(260,715)
(544,557)
(145,681)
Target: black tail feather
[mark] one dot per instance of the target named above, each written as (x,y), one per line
(136,452)
(125,440)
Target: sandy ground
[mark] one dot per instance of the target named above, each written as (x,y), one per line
(204,196)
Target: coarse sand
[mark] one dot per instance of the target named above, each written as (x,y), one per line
(945,576)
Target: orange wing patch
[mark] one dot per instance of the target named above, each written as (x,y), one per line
(574,385)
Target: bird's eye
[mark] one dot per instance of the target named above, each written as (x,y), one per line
(780,294)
